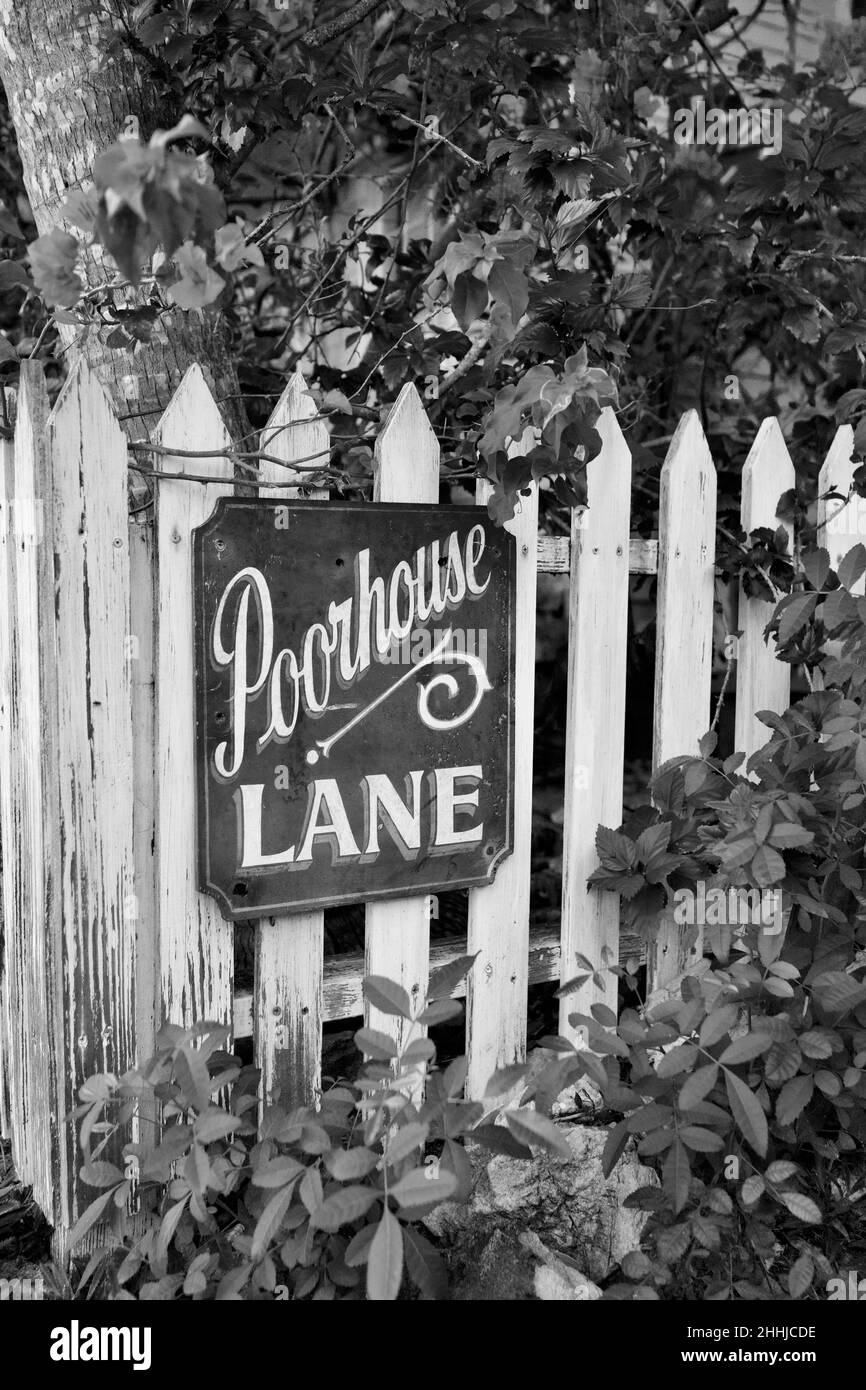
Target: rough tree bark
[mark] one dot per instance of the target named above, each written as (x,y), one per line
(69,94)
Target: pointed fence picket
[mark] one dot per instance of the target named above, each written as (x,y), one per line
(684,640)
(406,469)
(498,913)
(762,681)
(290,949)
(196,944)
(106,934)
(595,731)
(841,526)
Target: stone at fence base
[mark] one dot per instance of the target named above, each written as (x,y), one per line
(570,1207)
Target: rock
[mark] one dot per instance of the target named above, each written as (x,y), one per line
(570,1206)
(557,1278)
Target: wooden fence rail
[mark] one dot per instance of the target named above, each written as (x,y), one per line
(105,931)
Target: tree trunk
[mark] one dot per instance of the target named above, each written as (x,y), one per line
(69,94)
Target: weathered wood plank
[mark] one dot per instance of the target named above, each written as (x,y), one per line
(342,997)
(598,629)
(9,1063)
(398,931)
(93,748)
(684,636)
(140,656)
(289,949)
(498,922)
(196,945)
(29,831)
(762,681)
(554,555)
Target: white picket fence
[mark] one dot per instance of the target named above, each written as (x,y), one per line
(105,931)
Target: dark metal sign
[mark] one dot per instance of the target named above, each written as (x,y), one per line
(354,692)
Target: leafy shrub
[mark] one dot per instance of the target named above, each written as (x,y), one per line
(321,1203)
(747,1087)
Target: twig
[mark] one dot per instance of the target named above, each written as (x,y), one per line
(167,451)
(326,33)
(466,363)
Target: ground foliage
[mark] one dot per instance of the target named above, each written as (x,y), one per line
(760,1054)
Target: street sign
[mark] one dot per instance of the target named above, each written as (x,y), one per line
(354,702)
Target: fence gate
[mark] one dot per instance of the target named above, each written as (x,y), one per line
(105,932)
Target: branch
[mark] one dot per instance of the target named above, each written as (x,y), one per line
(465,363)
(325,33)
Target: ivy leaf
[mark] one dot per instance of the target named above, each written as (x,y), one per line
(468,300)
(53,258)
(748,1115)
(385,1261)
(199,283)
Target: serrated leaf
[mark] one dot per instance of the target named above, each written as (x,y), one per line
(440,1011)
(410,1137)
(676,1175)
(614,1147)
(346,1165)
(276,1172)
(745,1048)
(88,1218)
(793,1097)
(531,1127)
(852,566)
(423,1186)
(697,1086)
(748,1115)
(802,1207)
(445,980)
(215,1124)
(753,1188)
(385,1260)
(718,1023)
(341,1207)
(504,1078)
(268,1223)
(372,1043)
(800,1275)
(424,1265)
(387,996)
